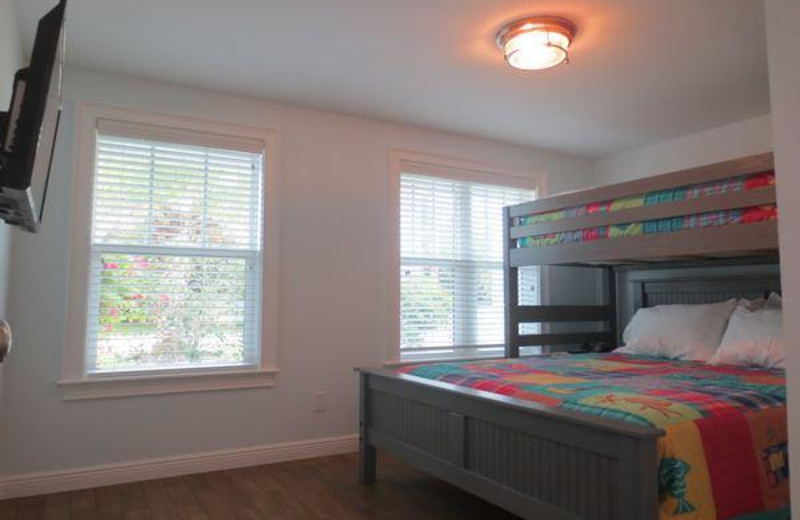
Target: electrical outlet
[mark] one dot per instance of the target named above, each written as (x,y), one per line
(320,401)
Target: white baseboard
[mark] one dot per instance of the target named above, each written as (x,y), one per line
(30,484)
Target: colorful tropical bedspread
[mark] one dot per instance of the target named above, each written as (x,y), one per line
(662,225)
(724,455)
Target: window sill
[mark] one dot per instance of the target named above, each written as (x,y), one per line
(445,354)
(426,360)
(456,358)
(126,386)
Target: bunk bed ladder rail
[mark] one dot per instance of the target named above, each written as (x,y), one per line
(517,314)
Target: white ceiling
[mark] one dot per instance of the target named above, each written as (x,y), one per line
(642,71)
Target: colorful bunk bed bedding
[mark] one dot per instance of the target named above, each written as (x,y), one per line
(664,225)
(724,455)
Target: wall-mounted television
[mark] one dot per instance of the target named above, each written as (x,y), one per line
(28,130)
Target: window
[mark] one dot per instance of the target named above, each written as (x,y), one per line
(451,265)
(176,245)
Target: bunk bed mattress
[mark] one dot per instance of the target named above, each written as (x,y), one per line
(648,227)
(694,191)
(724,455)
(663,225)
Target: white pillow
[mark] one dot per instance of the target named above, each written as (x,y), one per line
(753,305)
(753,338)
(677,331)
(774,301)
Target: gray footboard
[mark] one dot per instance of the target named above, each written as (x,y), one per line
(537,462)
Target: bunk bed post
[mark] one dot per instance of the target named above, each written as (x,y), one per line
(511,280)
(611,301)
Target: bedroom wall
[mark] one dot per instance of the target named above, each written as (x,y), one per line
(10,61)
(333,172)
(748,137)
(783,41)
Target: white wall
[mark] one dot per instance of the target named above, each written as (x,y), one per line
(10,61)
(333,172)
(748,137)
(783,43)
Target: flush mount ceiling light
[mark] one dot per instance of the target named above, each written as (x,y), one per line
(536,42)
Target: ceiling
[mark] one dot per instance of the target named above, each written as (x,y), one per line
(642,71)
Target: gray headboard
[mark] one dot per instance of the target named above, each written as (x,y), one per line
(650,286)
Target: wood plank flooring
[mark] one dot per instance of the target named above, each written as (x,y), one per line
(315,489)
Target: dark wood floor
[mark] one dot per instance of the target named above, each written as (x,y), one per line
(313,489)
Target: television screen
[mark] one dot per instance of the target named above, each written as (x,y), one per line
(31,125)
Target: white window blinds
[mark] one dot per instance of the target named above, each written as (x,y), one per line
(451,266)
(176,254)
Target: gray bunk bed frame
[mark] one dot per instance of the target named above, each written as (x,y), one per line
(550,464)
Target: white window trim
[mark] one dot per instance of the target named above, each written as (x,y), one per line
(405,161)
(75,383)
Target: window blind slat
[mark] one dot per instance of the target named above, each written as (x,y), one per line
(451,266)
(176,254)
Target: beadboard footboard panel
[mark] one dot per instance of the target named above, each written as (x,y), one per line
(536,462)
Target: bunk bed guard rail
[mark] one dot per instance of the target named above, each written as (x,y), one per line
(712,212)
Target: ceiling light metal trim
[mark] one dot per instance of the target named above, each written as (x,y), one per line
(533,24)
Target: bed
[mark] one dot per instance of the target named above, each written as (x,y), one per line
(724,427)
(695,236)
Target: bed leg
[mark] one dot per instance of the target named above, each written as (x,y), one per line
(367,464)
(367,456)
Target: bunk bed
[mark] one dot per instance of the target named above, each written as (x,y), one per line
(695,236)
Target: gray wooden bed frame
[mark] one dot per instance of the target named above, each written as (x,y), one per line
(536,461)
